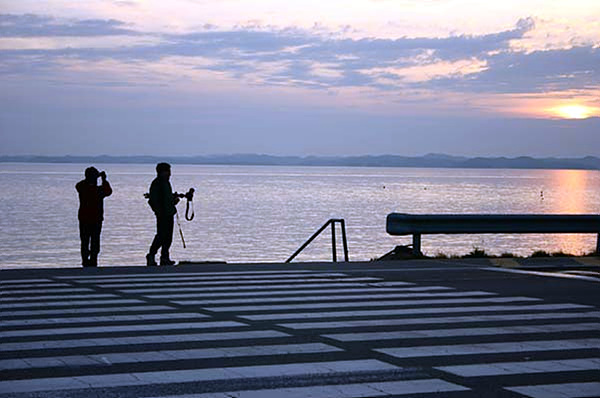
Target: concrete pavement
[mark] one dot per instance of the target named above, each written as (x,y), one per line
(398,329)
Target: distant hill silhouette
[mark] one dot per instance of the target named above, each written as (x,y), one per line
(429,160)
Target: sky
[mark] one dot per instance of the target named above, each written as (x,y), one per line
(336,77)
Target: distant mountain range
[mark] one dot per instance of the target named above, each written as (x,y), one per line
(430,160)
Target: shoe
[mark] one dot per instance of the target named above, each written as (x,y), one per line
(166,261)
(150,261)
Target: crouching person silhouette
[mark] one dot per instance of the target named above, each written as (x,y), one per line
(91,214)
(162,201)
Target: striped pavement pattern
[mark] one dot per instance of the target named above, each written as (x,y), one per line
(383,389)
(288,333)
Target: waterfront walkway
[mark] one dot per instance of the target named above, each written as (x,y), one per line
(412,328)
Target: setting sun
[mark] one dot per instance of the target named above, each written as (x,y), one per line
(573,111)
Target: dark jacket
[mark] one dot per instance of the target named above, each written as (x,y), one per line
(91,201)
(162,201)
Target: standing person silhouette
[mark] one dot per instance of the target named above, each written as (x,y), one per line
(91,214)
(162,201)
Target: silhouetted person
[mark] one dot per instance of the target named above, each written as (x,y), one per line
(162,201)
(91,214)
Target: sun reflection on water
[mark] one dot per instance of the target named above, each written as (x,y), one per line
(569,196)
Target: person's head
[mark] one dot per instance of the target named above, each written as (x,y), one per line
(163,170)
(91,174)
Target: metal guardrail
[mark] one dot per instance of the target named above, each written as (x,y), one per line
(331,222)
(420,224)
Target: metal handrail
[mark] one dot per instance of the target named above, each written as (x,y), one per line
(331,222)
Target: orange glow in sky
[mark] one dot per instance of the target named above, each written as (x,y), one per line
(403,57)
(574,111)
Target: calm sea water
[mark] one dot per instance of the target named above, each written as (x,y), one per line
(263,214)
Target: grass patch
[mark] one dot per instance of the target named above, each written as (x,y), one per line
(405,253)
(477,253)
(591,254)
(562,254)
(540,253)
(543,253)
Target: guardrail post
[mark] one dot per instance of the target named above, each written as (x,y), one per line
(417,244)
(333,243)
(344,241)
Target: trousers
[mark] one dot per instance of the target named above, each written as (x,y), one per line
(163,237)
(90,243)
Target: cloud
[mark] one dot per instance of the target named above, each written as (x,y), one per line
(539,71)
(31,25)
(295,57)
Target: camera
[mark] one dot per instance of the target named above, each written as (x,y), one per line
(189,195)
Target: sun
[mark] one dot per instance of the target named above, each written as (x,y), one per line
(573,111)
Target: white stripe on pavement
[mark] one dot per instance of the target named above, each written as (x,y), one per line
(565,390)
(441,333)
(159,275)
(437,320)
(194,375)
(366,296)
(237,283)
(50,285)
(164,355)
(118,341)
(56,297)
(59,290)
(102,318)
(243,288)
(19,281)
(391,283)
(525,367)
(373,389)
(201,278)
(412,311)
(294,292)
(491,348)
(365,303)
(69,303)
(120,328)
(67,311)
